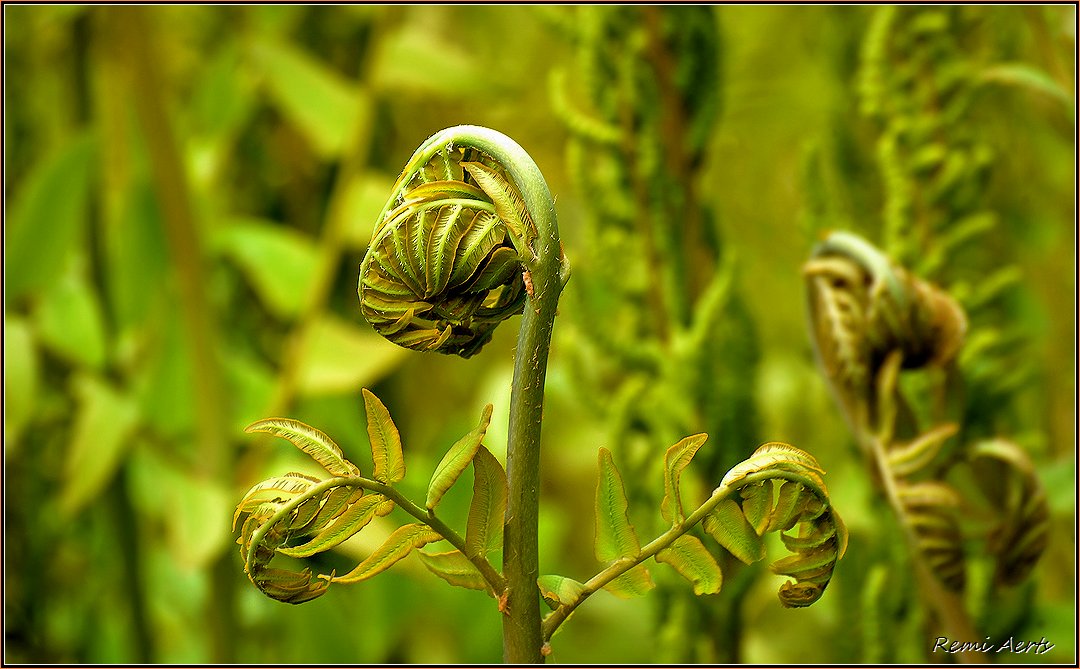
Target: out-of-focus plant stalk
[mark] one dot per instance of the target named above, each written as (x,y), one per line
(147,87)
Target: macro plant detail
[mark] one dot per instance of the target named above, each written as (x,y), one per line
(192,190)
(871,323)
(466,239)
(445,266)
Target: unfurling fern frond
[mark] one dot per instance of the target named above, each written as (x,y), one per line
(871,320)
(863,306)
(783,490)
(780,488)
(1023,529)
(298,516)
(298,520)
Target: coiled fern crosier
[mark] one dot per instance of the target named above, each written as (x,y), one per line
(453,252)
(468,238)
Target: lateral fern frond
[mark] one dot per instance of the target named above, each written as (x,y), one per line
(277,525)
(783,491)
(298,516)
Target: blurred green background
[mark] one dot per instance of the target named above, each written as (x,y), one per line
(189,191)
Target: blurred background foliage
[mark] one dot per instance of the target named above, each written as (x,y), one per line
(190,189)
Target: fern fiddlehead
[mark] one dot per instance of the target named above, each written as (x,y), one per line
(467,238)
(445,262)
(863,307)
(870,319)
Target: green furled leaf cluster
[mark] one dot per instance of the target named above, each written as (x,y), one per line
(299,516)
(778,489)
(444,267)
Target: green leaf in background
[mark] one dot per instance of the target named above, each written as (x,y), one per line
(69,321)
(454,568)
(309,440)
(423,61)
(727,524)
(688,556)
(221,102)
(324,105)
(615,536)
(46,219)
(104,421)
(485,525)
(164,381)
(339,357)
(20,379)
(396,547)
(385,440)
(675,461)
(277,261)
(251,384)
(365,196)
(456,460)
(1026,76)
(198,522)
(557,590)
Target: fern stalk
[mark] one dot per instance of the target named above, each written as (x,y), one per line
(521,629)
(947,605)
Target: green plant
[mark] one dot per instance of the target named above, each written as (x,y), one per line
(467,237)
(870,320)
(930,375)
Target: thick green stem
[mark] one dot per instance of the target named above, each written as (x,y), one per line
(521,629)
